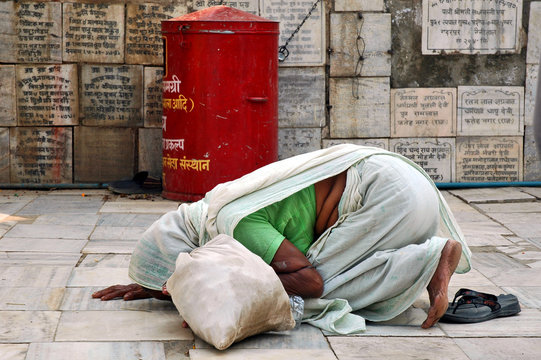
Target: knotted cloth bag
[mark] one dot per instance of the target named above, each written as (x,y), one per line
(226,293)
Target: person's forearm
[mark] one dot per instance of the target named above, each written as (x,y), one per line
(306,282)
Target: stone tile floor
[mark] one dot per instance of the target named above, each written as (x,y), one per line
(57,247)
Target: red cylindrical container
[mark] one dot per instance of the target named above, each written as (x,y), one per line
(220,99)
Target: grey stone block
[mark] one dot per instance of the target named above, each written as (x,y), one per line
(150,151)
(112,95)
(295,141)
(103,154)
(93,32)
(352,37)
(301,97)
(360,107)
(4,155)
(379,143)
(47,95)
(532,159)
(143,31)
(153,96)
(41,155)
(359,5)
(534,34)
(8,109)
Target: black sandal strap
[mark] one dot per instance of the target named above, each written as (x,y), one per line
(475,300)
(468,292)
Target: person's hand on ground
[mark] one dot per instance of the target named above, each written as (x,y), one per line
(126,292)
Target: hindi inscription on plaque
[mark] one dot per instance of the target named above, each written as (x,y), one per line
(307,47)
(489,159)
(93,32)
(435,155)
(8,114)
(471,26)
(30,32)
(153,96)
(47,95)
(251,6)
(424,112)
(41,155)
(143,31)
(112,95)
(490,110)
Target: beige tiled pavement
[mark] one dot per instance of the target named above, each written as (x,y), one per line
(57,247)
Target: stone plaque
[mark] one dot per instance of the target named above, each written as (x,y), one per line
(307,46)
(144,44)
(360,107)
(153,96)
(4,156)
(435,155)
(368,37)
(295,141)
(532,74)
(471,26)
(47,95)
(379,143)
(301,97)
(112,95)
(41,155)
(533,53)
(418,112)
(150,151)
(359,5)
(30,32)
(93,32)
(490,110)
(103,154)
(532,159)
(489,159)
(251,6)
(8,114)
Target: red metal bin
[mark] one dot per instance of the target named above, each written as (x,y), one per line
(220,99)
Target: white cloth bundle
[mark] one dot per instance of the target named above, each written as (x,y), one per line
(226,293)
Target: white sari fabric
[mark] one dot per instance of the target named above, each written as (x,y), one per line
(375,261)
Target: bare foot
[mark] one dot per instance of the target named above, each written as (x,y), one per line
(437,288)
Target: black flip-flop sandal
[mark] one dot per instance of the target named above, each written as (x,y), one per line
(473,306)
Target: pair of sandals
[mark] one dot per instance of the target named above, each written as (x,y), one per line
(470,306)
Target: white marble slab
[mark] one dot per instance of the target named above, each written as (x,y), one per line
(518,277)
(106,260)
(99,276)
(485,233)
(462,211)
(528,296)
(535,191)
(139,207)
(395,348)
(13,351)
(486,195)
(522,207)
(34,276)
(24,298)
(96,350)
(43,326)
(11,204)
(35,258)
(121,326)
(305,337)
(109,246)
(98,193)
(76,298)
(470,280)
(522,224)
(47,231)
(117,233)
(140,220)
(502,348)
(261,354)
(41,245)
(359,5)
(64,204)
(67,219)
(525,324)
(492,264)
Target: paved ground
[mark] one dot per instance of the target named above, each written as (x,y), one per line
(57,247)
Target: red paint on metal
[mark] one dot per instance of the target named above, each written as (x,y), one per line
(220,99)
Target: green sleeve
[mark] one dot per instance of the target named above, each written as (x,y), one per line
(258,235)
